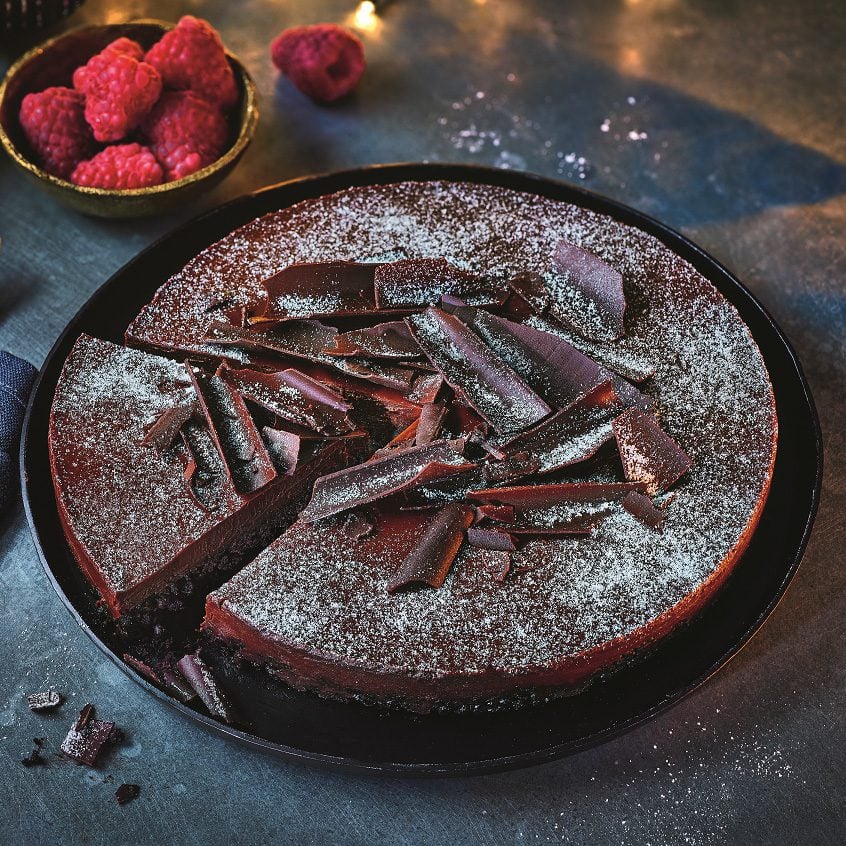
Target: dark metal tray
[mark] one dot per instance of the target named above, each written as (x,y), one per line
(303,726)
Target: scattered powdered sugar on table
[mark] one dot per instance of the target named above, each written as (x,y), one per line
(694,795)
(713,396)
(486,126)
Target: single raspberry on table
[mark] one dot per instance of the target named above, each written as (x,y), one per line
(118,167)
(325,61)
(53,122)
(119,90)
(185,132)
(191,56)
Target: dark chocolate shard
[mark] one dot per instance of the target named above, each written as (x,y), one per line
(497,539)
(628,357)
(501,575)
(498,513)
(295,397)
(555,369)
(176,685)
(45,700)
(649,455)
(316,392)
(429,423)
(284,448)
(87,737)
(399,377)
(403,440)
(296,338)
(577,432)
(567,439)
(142,667)
(320,289)
(476,373)
(449,303)
(431,559)
(529,497)
(416,283)
(166,427)
(199,676)
(358,525)
(598,309)
(426,388)
(491,448)
(126,793)
(530,295)
(516,466)
(581,524)
(400,408)
(236,315)
(385,340)
(464,422)
(642,508)
(398,471)
(448,489)
(235,435)
(200,473)
(630,396)
(309,340)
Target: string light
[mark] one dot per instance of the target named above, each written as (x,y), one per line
(365,16)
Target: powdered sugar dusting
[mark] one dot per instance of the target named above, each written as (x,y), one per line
(315,589)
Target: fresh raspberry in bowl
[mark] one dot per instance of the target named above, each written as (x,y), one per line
(192,57)
(185,133)
(119,166)
(54,123)
(119,88)
(116,142)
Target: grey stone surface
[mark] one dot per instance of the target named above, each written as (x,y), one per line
(723,119)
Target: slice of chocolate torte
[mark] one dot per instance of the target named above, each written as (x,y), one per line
(155,481)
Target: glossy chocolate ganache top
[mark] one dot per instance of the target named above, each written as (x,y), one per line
(323,592)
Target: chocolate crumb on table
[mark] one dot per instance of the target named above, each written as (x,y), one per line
(88,736)
(34,758)
(126,793)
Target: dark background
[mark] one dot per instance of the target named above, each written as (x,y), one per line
(725,120)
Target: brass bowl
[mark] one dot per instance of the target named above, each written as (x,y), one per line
(53,63)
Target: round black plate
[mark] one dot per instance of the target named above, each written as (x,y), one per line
(349,735)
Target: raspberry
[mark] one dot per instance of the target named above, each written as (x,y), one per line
(185,132)
(54,124)
(119,90)
(325,61)
(119,166)
(128,46)
(191,56)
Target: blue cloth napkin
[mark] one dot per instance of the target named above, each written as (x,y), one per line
(16,378)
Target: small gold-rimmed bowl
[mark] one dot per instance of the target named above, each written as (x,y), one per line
(53,63)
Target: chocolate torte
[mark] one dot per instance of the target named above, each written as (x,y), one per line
(550,442)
